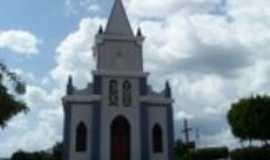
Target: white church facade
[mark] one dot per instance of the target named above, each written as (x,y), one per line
(118,116)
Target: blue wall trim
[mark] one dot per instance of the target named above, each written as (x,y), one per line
(157,104)
(96,120)
(95,139)
(67,130)
(143,86)
(144,132)
(170,130)
(97,84)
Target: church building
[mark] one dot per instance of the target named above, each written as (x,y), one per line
(118,116)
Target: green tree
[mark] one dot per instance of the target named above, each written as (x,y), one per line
(179,149)
(39,155)
(9,104)
(57,151)
(19,155)
(54,153)
(249,118)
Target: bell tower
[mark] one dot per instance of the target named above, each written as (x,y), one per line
(116,48)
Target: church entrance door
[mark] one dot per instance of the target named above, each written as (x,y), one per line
(120,139)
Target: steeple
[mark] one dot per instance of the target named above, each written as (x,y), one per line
(69,88)
(118,23)
(168,93)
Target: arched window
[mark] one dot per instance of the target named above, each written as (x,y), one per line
(81,137)
(157,139)
(113,93)
(127,95)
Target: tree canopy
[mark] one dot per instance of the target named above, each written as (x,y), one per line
(249,118)
(10,105)
(54,153)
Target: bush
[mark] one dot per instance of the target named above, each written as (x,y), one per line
(251,153)
(57,154)
(210,153)
(22,155)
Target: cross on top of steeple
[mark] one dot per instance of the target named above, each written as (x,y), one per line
(118,23)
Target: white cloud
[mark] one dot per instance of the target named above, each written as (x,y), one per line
(19,41)
(80,6)
(94,8)
(38,97)
(40,128)
(209,59)
(45,119)
(19,122)
(26,76)
(74,54)
(30,140)
(160,9)
(250,10)
(43,122)
(227,55)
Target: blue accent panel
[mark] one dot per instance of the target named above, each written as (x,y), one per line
(97,84)
(96,122)
(67,130)
(143,86)
(157,104)
(144,132)
(170,130)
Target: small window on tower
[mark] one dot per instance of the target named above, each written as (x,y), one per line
(113,93)
(127,95)
(81,137)
(157,139)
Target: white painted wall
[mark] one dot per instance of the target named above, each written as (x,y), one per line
(80,113)
(109,113)
(109,59)
(83,112)
(157,114)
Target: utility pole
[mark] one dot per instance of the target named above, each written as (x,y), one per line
(186,131)
(197,137)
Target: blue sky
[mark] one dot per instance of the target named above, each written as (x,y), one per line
(50,21)
(210,50)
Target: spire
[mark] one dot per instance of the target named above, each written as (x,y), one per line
(100,30)
(118,22)
(139,32)
(168,90)
(70,88)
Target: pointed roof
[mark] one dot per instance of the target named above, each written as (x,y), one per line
(118,23)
